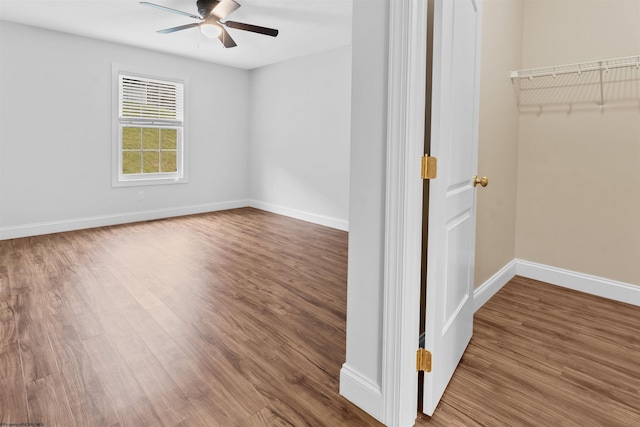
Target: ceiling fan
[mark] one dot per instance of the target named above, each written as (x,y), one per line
(212,13)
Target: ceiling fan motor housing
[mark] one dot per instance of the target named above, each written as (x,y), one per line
(206,6)
(212,12)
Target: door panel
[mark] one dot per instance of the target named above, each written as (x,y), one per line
(451,225)
(457,274)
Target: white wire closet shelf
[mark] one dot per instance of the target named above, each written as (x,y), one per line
(584,83)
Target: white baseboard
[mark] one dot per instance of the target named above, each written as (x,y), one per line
(594,285)
(600,286)
(26,230)
(489,288)
(101,221)
(339,224)
(361,391)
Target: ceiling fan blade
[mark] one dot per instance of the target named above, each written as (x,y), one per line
(224,8)
(226,39)
(253,28)
(168,9)
(181,27)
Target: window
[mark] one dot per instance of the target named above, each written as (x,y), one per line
(148,129)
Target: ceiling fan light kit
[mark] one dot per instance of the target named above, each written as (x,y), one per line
(211,30)
(212,13)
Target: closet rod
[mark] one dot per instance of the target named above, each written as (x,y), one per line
(579,68)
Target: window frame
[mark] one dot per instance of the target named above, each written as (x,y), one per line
(119,179)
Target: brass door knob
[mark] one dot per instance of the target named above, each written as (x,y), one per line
(484,181)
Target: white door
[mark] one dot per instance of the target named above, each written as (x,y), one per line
(451,231)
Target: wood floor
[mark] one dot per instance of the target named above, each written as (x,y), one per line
(542,355)
(237,318)
(231,318)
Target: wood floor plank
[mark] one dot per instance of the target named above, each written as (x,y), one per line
(225,382)
(38,360)
(163,347)
(174,409)
(10,363)
(542,354)
(163,393)
(5,289)
(276,413)
(74,299)
(196,385)
(48,402)
(13,400)
(447,415)
(86,324)
(283,374)
(127,399)
(16,263)
(8,334)
(87,399)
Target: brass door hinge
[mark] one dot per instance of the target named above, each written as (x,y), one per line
(423,360)
(429,169)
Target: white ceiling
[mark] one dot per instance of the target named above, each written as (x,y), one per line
(306,26)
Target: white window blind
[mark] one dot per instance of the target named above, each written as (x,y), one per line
(148,100)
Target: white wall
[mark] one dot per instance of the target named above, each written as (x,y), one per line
(360,379)
(55,135)
(300,136)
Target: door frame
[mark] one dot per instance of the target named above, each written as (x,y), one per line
(403,210)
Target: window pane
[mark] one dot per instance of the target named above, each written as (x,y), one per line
(151,162)
(169,161)
(131,138)
(151,139)
(131,162)
(169,139)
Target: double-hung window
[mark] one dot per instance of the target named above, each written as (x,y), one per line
(150,130)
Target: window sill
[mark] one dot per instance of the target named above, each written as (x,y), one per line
(137,182)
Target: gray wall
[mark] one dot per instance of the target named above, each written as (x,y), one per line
(55,136)
(300,136)
(361,375)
